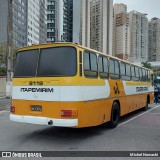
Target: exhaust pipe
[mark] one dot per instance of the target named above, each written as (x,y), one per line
(50,122)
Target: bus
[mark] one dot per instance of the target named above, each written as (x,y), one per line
(68,85)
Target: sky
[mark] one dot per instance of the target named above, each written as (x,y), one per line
(150,7)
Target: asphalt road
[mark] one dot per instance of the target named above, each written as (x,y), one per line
(139,131)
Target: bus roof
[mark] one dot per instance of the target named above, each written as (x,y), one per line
(44,45)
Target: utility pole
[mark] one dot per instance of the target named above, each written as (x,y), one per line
(9,49)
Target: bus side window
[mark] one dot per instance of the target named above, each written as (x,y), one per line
(133,73)
(103,67)
(123,71)
(148,76)
(114,69)
(90,65)
(143,75)
(117,68)
(140,74)
(105,64)
(86,61)
(111,68)
(128,72)
(137,73)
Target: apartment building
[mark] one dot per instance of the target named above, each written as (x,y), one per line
(154,40)
(85,23)
(43,21)
(29,22)
(96,26)
(138,23)
(117,8)
(76,23)
(63,21)
(52,20)
(19,22)
(36,21)
(121,32)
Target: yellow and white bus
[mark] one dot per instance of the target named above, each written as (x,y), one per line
(67,85)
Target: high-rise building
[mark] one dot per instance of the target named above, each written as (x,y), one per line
(85,23)
(52,20)
(43,21)
(138,23)
(29,22)
(154,40)
(101,14)
(96,24)
(19,22)
(119,8)
(63,20)
(121,32)
(76,21)
(36,21)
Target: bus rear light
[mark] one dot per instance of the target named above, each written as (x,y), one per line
(69,113)
(12,109)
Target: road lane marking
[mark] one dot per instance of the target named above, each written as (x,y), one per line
(137,116)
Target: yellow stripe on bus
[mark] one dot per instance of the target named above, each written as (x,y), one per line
(131,83)
(62,81)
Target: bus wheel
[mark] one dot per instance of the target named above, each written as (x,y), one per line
(147,103)
(115,115)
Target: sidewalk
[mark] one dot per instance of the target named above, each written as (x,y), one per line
(4,103)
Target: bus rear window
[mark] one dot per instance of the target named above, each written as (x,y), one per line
(26,63)
(57,61)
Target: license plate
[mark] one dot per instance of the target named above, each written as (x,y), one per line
(36,108)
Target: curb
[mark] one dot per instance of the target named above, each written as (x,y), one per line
(2,97)
(5,108)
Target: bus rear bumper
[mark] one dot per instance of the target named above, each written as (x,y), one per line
(45,121)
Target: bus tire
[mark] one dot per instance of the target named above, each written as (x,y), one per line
(146,107)
(115,115)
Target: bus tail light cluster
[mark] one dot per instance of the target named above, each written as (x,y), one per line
(12,109)
(69,113)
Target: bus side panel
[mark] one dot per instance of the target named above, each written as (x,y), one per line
(151,98)
(143,100)
(123,108)
(95,112)
(136,102)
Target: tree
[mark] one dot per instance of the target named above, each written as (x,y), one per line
(3,58)
(14,55)
(146,65)
(3,54)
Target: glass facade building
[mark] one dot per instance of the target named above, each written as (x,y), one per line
(63,21)
(29,22)
(19,9)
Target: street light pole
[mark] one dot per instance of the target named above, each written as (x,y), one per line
(9,49)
